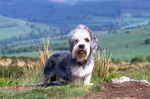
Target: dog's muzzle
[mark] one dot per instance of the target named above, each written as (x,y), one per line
(81,49)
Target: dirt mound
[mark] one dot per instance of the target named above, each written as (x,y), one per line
(127,90)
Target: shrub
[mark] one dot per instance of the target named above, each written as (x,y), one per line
(148,58)
(147,41)
(138,59)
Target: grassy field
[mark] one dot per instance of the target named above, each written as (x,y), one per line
(11,27)
(125,46)
(104,70)
(122,46)
(33,75)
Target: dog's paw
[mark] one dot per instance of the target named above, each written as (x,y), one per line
(89,84)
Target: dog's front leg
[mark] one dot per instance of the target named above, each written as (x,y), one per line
(87,80)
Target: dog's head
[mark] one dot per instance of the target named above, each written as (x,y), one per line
(82,42)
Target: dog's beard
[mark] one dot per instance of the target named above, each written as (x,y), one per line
(80,54)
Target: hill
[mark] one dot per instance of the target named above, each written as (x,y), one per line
(16,32)
(106,15)
(13,29)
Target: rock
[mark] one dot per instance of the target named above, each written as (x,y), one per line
(120,80)
(127,79)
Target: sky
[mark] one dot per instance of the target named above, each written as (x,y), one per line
(60,1)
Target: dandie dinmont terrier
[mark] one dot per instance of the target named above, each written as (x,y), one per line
(76,65)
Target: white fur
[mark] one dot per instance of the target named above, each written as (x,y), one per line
(81,35)
(80,71)
(76,48)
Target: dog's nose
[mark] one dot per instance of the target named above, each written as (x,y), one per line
(81,46)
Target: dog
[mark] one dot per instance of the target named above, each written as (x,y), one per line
(76,65)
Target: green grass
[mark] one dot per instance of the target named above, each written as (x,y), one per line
(116,43)
(142,73)
(69,91)
(10,27)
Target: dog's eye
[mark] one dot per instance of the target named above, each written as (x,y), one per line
(87,40)
(76,40)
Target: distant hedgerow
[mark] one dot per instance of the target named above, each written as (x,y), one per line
(148,58)
(138,59)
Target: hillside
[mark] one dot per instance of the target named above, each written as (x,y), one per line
(14,30)
(18,32)
(64,15)
(121,26)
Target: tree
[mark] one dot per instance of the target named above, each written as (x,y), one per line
(147,41)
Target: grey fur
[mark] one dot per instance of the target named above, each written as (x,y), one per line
(62,66)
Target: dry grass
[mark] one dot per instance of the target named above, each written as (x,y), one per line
(102,63)
(33,72)
(44,50)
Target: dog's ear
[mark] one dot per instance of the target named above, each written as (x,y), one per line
(94,40)
(94,43)
(70,40)
(70,47)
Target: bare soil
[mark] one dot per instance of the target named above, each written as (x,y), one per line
(127,90)
(19,88)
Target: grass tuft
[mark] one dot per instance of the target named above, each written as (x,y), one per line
(102,63)
(44,50)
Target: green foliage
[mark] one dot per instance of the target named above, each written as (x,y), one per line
(112,75)
(2,70)
(148,58)
(4,57)
(138,59)
(14,71)
(96,87)
(119,61)
(8,82)
(147,41)
(11,71)
(139,74)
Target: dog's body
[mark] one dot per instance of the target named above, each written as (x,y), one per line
(76,65)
